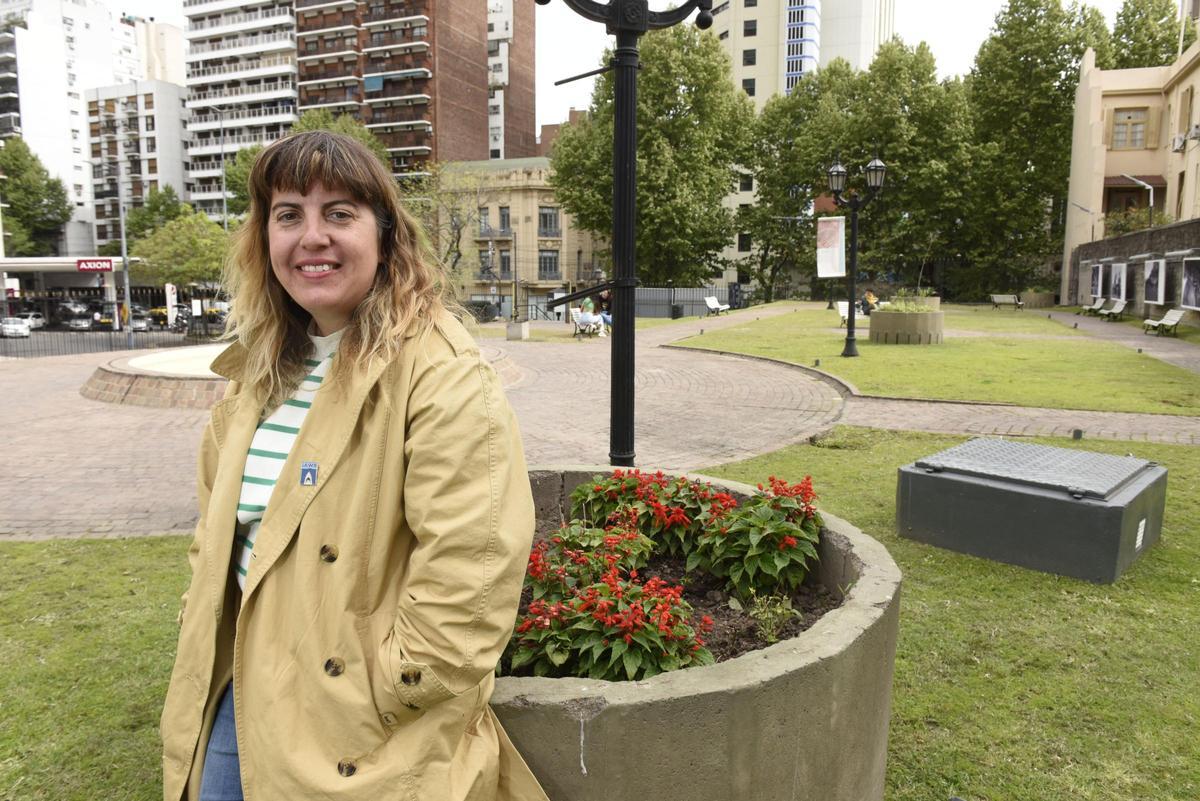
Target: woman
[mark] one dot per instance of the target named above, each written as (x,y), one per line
(365,515)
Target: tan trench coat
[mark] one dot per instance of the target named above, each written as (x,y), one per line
(378,600)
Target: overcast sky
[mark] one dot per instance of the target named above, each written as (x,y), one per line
(567,44)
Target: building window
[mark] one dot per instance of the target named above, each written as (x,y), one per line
(751,3)
(484,227)
(723,35)
(743,243)
(746,183)
(505,265)
(494,153)
(548,222)
(1129,128)
(749,58)
(748,86)
(548,265)
(505,221)
(750,27)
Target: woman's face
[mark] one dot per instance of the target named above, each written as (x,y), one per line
(324,251)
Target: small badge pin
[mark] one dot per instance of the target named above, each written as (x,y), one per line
(308,474)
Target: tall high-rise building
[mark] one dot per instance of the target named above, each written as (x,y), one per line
(137,144)
(855,29)
(415,72)
(162,49)
(510,35)
(772,43)
(241,82)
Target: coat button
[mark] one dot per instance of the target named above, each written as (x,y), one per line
(335,666)
(413,707)
(329,553)
(388,718)
(411,677)
(347,767)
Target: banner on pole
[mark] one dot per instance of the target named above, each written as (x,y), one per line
(831,247)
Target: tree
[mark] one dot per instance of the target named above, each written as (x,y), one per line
(1022,96)
(691,128)
(1146,33)
(447,202)
(38,206)
(161,206)
(189,249)
(237,169)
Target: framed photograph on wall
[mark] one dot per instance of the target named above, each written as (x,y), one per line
(1155,277)
(1097,279)
(1117,284)
(1189,297)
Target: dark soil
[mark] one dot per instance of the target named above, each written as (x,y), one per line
(735,633)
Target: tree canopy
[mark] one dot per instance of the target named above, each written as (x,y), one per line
(190,248)
(38,205)
(160,207)
(692,124)
(1146,33)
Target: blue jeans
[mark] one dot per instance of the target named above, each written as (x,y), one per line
(222,778)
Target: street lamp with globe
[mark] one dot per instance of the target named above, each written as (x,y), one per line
(875,172)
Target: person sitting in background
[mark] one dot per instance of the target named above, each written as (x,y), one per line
(869,302)
(606,308)
(588,315)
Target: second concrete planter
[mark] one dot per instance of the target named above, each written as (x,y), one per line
(906,328)
(804,718)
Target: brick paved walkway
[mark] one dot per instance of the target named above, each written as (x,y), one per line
(76,467)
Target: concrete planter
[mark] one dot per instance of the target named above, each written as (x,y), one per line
(517,331)
(804,718)
(907,328)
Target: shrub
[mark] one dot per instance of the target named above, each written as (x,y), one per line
(764,545)
(484,311)
(769,612)
(591,615)
(672,511)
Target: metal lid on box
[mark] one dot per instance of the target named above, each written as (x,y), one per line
(1078,473)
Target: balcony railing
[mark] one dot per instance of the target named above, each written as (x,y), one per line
(240,139)
(329,97)
(405,139)
(303,4)
(347,70)
(243,66)
(238,91)
(237,19)
(397,62)
(270,111)
(396,11)
(398,115)
(306,26)
(241,41)
(488,232)
(549,232)
(325,47)
(549,275)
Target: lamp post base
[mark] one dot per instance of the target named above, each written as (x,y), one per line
(851,347)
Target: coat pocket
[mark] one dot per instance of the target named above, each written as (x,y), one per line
(393,714)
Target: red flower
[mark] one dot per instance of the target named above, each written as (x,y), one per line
(788,542)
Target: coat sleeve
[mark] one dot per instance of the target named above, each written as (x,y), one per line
(468,503)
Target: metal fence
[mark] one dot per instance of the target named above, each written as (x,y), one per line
(652,301)
(58,342)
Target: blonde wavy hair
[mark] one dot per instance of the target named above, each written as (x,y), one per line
(410,288)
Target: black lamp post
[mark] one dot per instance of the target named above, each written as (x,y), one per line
(875,171)
(627,20)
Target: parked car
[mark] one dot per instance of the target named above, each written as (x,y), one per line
(14,327)
(139,323)
(79,323)
(35,319)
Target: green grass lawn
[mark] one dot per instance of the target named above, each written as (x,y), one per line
(561,332)
(1013,685)
(1070,371)
(1010,684)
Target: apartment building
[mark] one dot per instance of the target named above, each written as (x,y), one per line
(418,74)
(854,30)
(137,135)
(241,85)
(525,244)
(510,37)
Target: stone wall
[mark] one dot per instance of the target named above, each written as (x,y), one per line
(1162,240)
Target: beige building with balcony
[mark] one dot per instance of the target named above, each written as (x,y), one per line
(523,240)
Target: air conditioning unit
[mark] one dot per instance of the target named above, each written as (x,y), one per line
(1178,141)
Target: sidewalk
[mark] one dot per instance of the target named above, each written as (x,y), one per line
(1168,349)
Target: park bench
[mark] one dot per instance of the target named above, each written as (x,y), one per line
(1007,300)
(591,329)
(843,309)
(714,307)
(1118,308)
(1169,322)
(1095,307)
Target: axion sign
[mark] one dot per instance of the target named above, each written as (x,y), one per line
(94,265)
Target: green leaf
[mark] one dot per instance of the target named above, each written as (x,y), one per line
(736,605)
(692,561)
(619,646)
(557,657)
(633,661)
